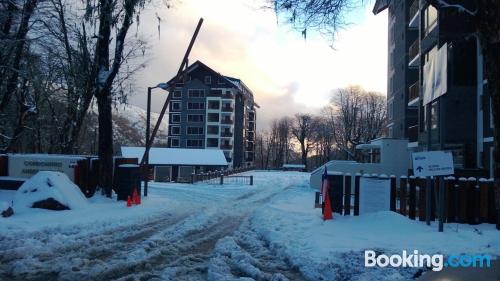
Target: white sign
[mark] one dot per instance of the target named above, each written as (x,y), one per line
(374,195)
(435,75)
(432,163)
(26,165)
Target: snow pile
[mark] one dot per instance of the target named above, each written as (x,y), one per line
(45,185)
(334,250)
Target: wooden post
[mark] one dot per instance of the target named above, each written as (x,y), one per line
(221,178)
(470,186)
(347,194)
(422,196)
(393,193)
(434,197)
(251,180)
(412,198)
(492,212)
(462,200)
(402,195)
(356,194)
(450,195)
(441,204)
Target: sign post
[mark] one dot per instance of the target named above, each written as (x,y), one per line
(430,164)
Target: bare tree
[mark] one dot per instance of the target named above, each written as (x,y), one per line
(302,130)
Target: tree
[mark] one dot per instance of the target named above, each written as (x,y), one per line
(327,16)
(302,130)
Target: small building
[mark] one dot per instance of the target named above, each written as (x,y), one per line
(380,156)
(178,164)
(294,167)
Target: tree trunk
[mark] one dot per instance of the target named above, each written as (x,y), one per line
(105,142)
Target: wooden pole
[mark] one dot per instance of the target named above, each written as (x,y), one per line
(441,204)
(393,193)
(462,200)
(356,194)
(347,194)
(403,186)
(412,198)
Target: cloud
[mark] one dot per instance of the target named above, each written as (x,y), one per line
(286,73)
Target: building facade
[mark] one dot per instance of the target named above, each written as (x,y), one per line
(212,111)
(437,94)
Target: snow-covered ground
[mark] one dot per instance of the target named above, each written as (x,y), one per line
(268,231)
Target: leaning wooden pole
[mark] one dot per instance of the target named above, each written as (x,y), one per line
(171,89)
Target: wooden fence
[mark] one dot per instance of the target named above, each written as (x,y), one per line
(224,176)
(466,200)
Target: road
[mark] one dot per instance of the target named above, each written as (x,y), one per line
(188,243)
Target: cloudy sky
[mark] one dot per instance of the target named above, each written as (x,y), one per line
(239,38)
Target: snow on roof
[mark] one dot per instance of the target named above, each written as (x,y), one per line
(178,156)
(300,166)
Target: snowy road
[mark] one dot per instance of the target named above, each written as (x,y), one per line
(206,234)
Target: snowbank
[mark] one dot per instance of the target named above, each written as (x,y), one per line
(45,185)
(330,250)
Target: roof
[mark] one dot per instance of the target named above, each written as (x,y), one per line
(380,5)
(197,64)
(299,166)
(178,156)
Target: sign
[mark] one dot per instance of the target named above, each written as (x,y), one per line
(432,163)
(27,165)
(435,75)
(374,195)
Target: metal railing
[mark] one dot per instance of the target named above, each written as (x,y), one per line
(414,50)
(224,177)
(414,9)
(414,91)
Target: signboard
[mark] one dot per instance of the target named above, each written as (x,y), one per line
(374,195)
(26,165)
(432,163)
(435,75)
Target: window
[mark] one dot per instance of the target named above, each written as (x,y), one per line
(176,118)
(213,130)
(208,80)
(430,19)
(213,117)
(212,142)
(196,93)
(177,95)
(434,115)
(176,106)
(220,80)
(174,142)
(195,118)
(213,104)
(175,130)
(196,105)
(194,143)
(195,130)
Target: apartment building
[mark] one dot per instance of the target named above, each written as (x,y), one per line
(437,95)
(212,111)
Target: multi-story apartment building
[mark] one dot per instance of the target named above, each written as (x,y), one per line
(430,46)
(212,111)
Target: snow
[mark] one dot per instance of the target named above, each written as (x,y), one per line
(268,231)
(48,184)
(178,156)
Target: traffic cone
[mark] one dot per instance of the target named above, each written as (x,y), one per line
(327,215)
(129,202)
(137,198)
(134,197)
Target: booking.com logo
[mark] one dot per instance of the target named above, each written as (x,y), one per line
(437,262)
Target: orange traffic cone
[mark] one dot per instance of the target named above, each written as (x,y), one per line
(137,199)
(327,214)
(129,202)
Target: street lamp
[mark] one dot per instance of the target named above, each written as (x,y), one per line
(163,86)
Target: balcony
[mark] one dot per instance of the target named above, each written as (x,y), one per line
(413,134)
(227,109)
(226,146)
(226,134)
(414,14)
(227,121)
(414,94)
(215,93)
(414,55)
(227,96)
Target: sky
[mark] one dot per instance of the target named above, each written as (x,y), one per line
(287,73)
